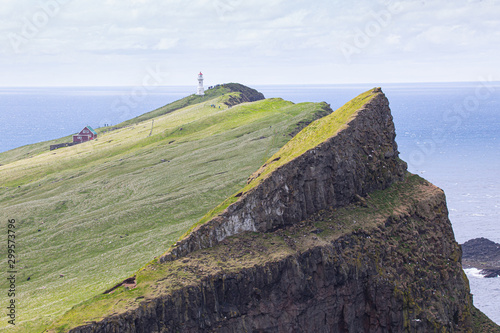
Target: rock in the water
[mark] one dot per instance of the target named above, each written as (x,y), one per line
(491,272)
(483,254)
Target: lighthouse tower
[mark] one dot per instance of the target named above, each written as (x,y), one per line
(201,91)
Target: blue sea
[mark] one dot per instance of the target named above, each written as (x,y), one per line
(447,132)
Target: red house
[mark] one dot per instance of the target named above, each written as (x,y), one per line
(86,134)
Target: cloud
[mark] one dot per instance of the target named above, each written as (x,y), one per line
(127,35)
(166,44)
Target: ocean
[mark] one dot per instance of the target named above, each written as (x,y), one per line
(447,132)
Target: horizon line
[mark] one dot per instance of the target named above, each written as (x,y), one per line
(253,84)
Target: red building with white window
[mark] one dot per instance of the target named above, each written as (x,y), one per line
(85,134)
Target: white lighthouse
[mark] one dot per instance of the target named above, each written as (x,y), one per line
(201,91)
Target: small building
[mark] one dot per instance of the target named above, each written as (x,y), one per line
(86,134)
(201,90)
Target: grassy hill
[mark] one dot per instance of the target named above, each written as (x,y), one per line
(233,93)
(91,214)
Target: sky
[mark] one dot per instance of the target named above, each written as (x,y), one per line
(167,42)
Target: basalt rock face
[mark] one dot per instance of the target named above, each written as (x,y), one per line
(359,159)
(397,272)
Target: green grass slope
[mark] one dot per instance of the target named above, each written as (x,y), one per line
(28,151)
(91,214)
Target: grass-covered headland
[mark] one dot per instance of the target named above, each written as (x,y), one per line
(91,214)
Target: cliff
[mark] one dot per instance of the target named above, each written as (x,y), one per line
(330,235)
(329,164)
(344,270)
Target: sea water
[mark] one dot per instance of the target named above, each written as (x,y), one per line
(30,115)
(447,132)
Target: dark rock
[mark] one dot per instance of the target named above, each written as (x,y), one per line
(483,254)
(491,272)
(481,249)
(127,282)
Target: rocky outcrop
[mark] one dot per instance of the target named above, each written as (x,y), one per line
(360,158)
(481,249)
(247,94)
(483,254)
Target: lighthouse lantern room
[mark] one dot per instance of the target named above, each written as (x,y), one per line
(200,91)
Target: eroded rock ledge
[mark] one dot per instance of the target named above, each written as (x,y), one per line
(360,158)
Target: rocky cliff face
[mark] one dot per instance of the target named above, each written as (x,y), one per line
(338,239)
(388,264)
(360,158)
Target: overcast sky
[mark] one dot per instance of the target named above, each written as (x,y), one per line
(167,42)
